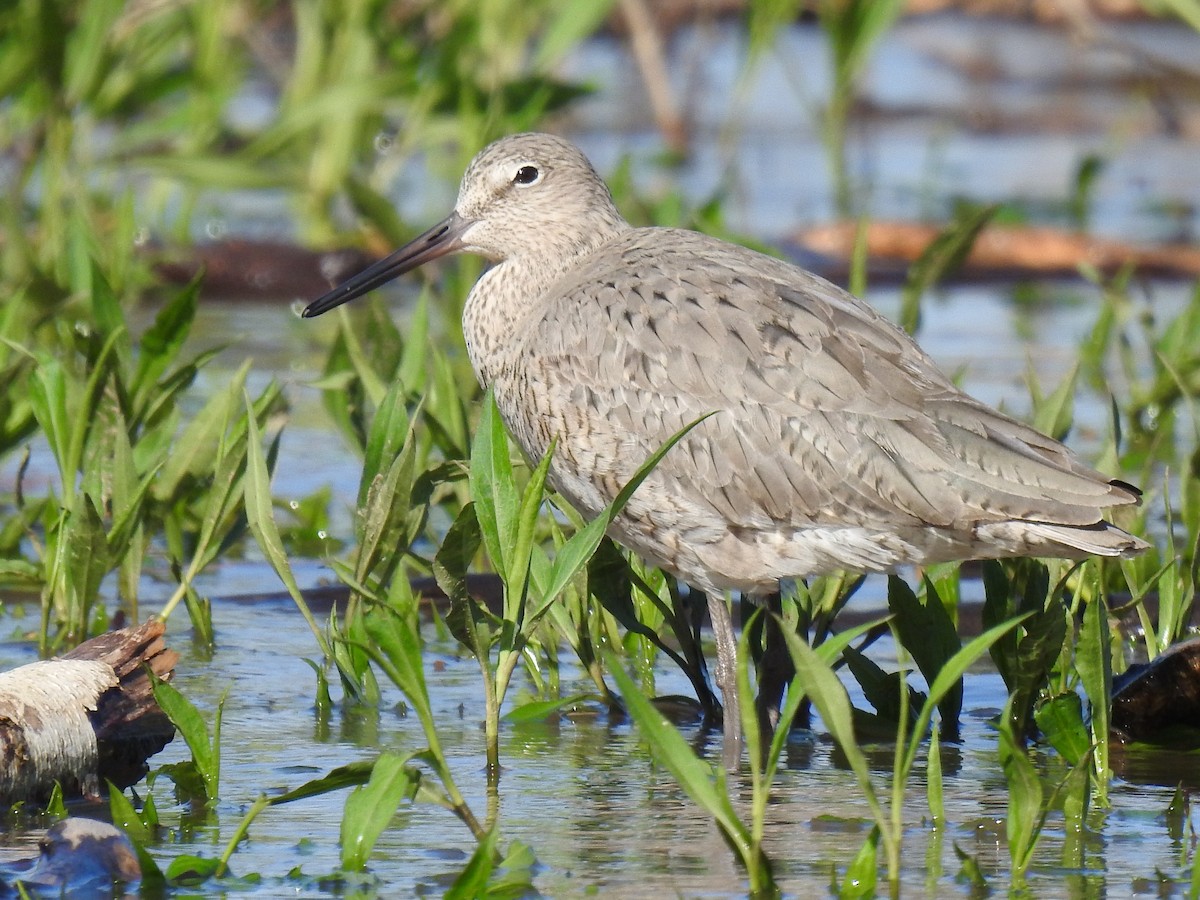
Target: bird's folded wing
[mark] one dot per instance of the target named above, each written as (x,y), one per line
(825,412)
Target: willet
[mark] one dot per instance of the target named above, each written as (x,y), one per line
(834,441)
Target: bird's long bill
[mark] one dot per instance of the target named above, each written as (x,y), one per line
(444,237)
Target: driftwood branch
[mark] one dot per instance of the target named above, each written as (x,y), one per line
(645,42)
(87,716)
(1005,251)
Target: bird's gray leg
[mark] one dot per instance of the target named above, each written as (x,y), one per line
(726,676)
(776,669)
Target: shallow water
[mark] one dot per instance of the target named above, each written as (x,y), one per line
(582,792)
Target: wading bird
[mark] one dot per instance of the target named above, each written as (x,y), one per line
(834,442)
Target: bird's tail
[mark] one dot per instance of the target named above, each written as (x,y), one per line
(1100,539)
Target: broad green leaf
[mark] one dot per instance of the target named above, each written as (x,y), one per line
(470,623)
(492,486)
(1037,652)
(187,869)
(125,817)
(86,562)
(829,651)
(1060,719)
(997,608)
(928,634)
(21,570)
(472,882)
(385,517)
(56,807)
(881,689)
(396,647)
(161,342)
(514,875)
(199,443)
(206,751)
(971,872)
(389,428)
(370,808)
(541,710)
(955,667)
(350,775)
(1025,796)
(863,871)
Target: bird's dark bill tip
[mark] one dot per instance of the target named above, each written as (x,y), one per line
(320,306)
(441,239)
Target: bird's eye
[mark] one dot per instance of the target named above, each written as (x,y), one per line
(527,175)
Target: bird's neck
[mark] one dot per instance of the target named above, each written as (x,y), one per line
(509,297)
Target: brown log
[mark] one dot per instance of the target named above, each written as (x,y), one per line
(1006,251)
(84,717)
(247,269)
(1157,700)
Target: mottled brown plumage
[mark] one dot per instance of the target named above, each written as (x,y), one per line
(835,441)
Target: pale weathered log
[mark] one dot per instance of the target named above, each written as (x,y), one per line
(83,718)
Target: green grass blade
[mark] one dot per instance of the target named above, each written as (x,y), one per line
(694,775)
(943,255)
(574,555)
(198,445)
(569,24)
(1187,10)
(821,684)
(517,575)
(933,780)
(260,515)
(1093,660)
